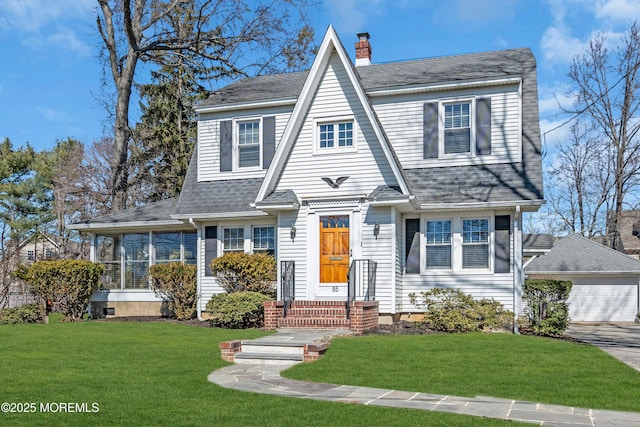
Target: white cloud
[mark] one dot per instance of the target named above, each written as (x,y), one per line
(55,116)
(33,15)
(68,39)
(559,46)
(623,11)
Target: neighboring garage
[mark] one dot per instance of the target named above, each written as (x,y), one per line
(605,281)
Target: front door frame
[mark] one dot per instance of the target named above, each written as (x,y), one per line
(351,208)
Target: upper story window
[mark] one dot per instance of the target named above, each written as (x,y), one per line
(31,255)
(248,146)
(457,128)
(334,135)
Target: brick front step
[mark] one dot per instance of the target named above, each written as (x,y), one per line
(314,322)
(322,315)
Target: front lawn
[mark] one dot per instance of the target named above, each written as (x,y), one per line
(144,373)
(499,365)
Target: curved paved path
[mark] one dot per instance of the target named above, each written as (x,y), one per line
(266,379)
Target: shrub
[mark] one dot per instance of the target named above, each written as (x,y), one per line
(28,313)
(70,283)
(240,272)
(176,283)
(546,309)
(237,310)
(450,310)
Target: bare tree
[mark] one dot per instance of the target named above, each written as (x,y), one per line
(225,38)
(606,89)
(581,176)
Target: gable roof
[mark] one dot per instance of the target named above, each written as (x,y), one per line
(330,44)
(516,183)
(578,254)
(537,241)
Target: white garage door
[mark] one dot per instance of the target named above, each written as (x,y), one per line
(615,300)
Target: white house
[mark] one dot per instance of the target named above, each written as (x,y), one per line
(410,175)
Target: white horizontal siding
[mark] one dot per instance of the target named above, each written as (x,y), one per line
(492,286)
(367,167)
(379,250)
(295,249)
(402,120)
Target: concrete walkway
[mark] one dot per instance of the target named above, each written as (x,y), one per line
(266,379)
(621,340)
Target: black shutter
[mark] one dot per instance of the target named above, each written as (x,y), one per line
(502,261)
(430,130)
(412,245)
(226,145)
(268,140)
(483,126)
(210,247)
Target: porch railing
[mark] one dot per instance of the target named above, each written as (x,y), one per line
(362,281)
(287,284)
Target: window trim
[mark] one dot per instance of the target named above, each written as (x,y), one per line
(442,103)
(456,244)
(236,143)
(336,121)
(253,243)
(489,241)
(427,244)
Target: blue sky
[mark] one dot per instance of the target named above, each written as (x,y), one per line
(49,71)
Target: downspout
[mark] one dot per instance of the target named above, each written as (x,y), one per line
(198,284)
(517,270)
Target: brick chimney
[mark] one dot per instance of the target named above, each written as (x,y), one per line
(363,50)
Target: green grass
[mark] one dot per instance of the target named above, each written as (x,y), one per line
(499,365)
(143,373)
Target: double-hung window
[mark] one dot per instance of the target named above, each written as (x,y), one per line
(475,243)
(438,239)
(335,135)
(264,239)
(457,128)
(248,143)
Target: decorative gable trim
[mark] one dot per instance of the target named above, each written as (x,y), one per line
(330,43)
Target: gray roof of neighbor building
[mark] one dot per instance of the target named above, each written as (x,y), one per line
(205,197)
(575,253)
(537,241)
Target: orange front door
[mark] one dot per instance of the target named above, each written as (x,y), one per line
(334,248)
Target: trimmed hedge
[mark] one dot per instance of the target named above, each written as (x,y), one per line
(28,313)
(237,310)
(451,310)
(177,284)
(547,312)
(240,272)
(70,283)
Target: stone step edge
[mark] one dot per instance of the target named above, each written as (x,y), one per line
(269,356)
(274,343)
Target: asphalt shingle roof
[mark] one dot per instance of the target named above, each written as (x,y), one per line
(575,253)
(204,197)
(157,211)
(537,241)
